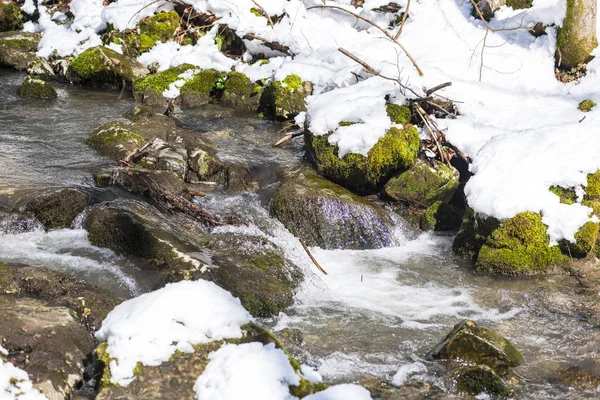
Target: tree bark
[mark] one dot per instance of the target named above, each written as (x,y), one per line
(577,37)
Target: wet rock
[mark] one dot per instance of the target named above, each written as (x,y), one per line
(288,96)
(240,179)
(17,49)
(205,165)
(241,93)
(58,210)
(197,91)
(472,343)
(142,181)
(10,17)
(149,90)
(424,183)
(579,379)
(477,379)
(173,159)
(440,216)
(41,69)
(412,390)
(140,113)
(329,216)
(586,238)
(473,233)
(394,152)
(13,224)
(33,88)
(115,140)
(102,66)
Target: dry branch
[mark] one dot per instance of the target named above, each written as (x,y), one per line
(271,45)
(311,257)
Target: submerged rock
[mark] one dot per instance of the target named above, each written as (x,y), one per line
(149,90)
(288,96)
(472,343)
(103,66)
(33,88)
(329,216)
(58,210)
(115,140)
(396,151)
(10,17)
(477,379)
(17,49)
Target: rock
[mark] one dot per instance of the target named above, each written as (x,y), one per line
(580,379)
(487,8)
(241,93)
(585,241)
(157,28)
(142,181)
(17,49)
(149,90)
(58,210)
(586,105)
(477,379)
(101,66)
(173,159)
(115,140)
(10,17)
(473,233)
(140,113)
(288,96)
(198,90)
(472,343)
(175,378)
(205,165)
(440,216)
(520,245)
(326,215)
(40,68)
(394,152)
(240,179)
(423,183)
(33,88)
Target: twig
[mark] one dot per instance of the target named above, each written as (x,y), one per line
(385,32)
(438,87)
(422,114)
(197,194)
(271,45)
(311,257)
(288,137)
(122,91)
(264,13)
(403,20)
(127,160)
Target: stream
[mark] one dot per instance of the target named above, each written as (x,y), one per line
(376,313)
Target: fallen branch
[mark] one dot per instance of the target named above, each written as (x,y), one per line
(127,161)
(311,257)
(271,45)
(425,120)
(288,137)
(403,20)
(438,87)
(264,13)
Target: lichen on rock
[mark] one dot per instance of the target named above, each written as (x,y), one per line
(33,88)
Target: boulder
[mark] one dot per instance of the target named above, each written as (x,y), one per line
(10,16)
(477,379)
(239,179)
(396,151)
(440,216)
(327,215)
(58,210)
(115,140)
(241,93)
(101,66)
(198,90)
(287,97)
(33,88)
(205,165)
(17,49)
(142,181)
(473,233)
(424,183)
(469,342)
(149,90)
(40,68)
(157,28)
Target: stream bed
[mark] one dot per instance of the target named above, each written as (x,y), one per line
(376,313)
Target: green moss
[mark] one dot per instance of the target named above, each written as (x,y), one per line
(160,81)
(572,47)
(519,4)
(346,123)
(398,114)
(115,140)
(567,196)
(102,355)
(7,280)
(440,216)
(101,65)
(394,152)
(476,379)
(592,189)
(586,105)
(520,246)
(160,27)
(292,82)
(288,96)
(585,241)
(203,82)
(266,261)
(10,17)
(33,88)
(22,41)
(240,92)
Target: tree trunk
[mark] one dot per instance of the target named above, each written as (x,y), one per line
(577,37)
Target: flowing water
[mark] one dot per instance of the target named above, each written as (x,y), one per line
(376,313)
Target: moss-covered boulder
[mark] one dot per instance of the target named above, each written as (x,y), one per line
(240,92)
(440,216)
(33,88)
(424,183)
(520,245)
(473,233)
(101,66)
(478,379)
(158,28)
(40,68)
(198,90)
(115,140)
(586,105)
(17,49)
(476,344)
(585,241)
(58,210)
(10,16)
(288,96)
(327,215)
(396,151)
(149,90)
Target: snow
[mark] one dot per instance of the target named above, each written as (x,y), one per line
(150,328)
(250,371)
(15,383)
(341,392)
(125,14)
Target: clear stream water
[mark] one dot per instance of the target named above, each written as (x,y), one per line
(377,313)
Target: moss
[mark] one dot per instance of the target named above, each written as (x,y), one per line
(10,17)
(592,189)
(474,231)
(586,105)
(567,196)
(585,241)
(240,92)
(398,114)
(520,246)
(33,88)
(288,96)
(519,4)
(160,27)
(574,48)
(7,280)
(23,41)
(440,216)
(477,379)
(58,210)
(115,140)
(197,91)
(101,65)
(395,151)
(102,355)
(149,89)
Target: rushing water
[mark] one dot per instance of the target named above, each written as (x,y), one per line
(376,313)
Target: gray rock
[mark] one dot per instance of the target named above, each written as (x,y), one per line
(17,49)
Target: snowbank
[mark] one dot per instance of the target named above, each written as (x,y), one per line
(15,383)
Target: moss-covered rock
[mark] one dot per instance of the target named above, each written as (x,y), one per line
(440,216)
(424,183)
(566,195)
(205,164)
(473,233)
(473,343)
(58,210)
(395,151)
(149,90)
(288,96)
(33,88)
(115,140)
(592,189)
(102,66)
(10,17)
(40,68)
(327,215)
(577,37)
(478,379)
(398,114)
(519,246)
(198,90)
(241,93)
(586,105)
(17,49)
(158,28)
(585,241)
(519,4)
(142,181)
